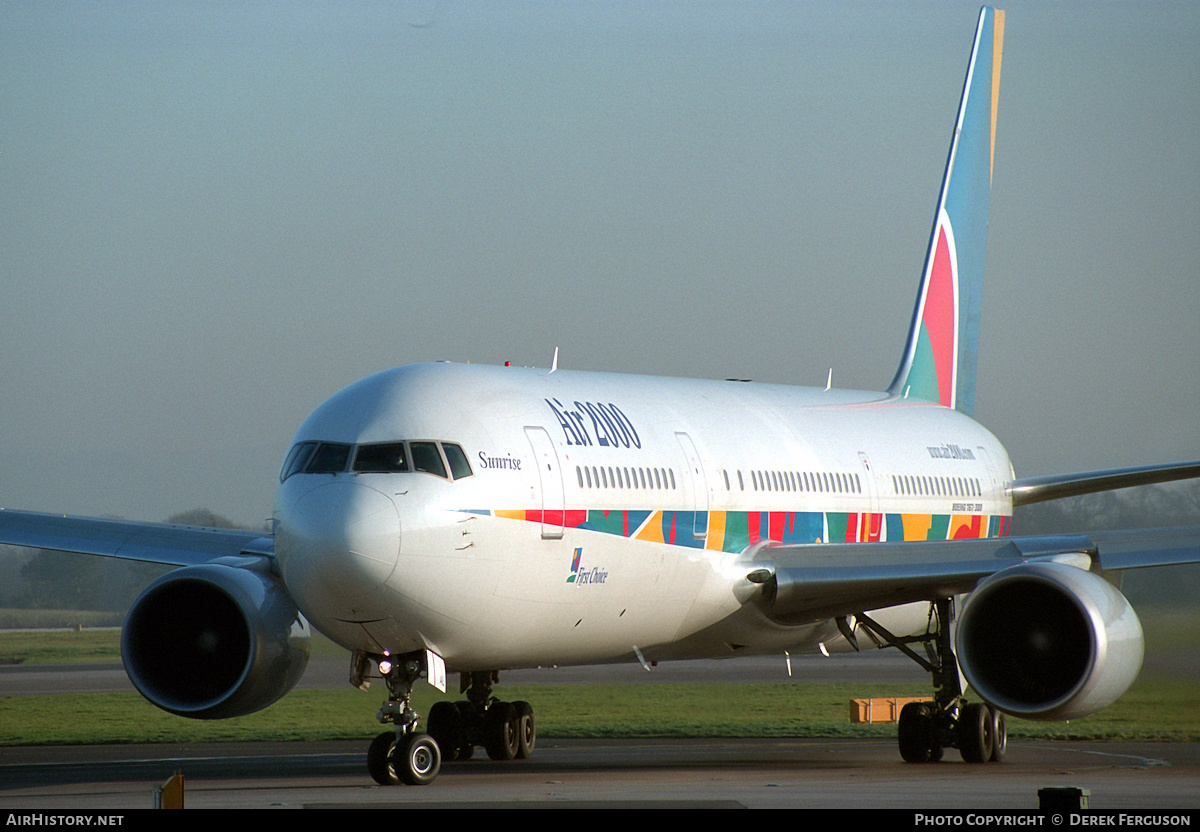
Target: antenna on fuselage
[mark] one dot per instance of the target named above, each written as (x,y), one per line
(554,362)
(829,379)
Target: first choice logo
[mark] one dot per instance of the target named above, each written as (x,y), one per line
(581,575)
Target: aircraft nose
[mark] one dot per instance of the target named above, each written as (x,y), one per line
(336,544)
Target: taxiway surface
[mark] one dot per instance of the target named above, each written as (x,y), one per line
(701,773)
(696,773)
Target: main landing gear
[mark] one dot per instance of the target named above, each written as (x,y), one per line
(506,730)
(927,728)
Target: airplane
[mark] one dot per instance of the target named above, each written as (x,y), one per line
(447,518)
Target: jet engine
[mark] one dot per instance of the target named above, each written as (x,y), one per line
(1048,641)
(214,641)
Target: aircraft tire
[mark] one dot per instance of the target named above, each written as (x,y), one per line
(975,740)
(500,731)
(999,736)
(526,730)
(417,759)
(470,721)
(915,733)
(448,728)
(379,759)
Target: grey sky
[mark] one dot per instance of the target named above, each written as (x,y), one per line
(217,215)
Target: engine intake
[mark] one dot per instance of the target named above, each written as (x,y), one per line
(1048,641)
(214,641)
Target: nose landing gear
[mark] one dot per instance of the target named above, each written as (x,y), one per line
(403,755)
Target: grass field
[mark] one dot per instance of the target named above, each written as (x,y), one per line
(1150,711)
(1157,707)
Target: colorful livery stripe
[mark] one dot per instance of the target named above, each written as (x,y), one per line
(733,531)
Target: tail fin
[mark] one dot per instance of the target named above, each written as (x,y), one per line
(943,343)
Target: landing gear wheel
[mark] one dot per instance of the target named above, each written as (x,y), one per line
(447,727)
(379,759)
(975,737)
(466,712)
(999,736)
(500,731)
(417,759)
(526,730)
(916,733)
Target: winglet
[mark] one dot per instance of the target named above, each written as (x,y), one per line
(942,351)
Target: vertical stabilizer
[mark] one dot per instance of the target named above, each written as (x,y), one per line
(943,342)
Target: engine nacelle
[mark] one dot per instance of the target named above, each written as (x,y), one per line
(1048,641)
(214,641)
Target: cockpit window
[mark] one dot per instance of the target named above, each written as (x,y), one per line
(297,458)
(377,458)
(459,466)
(425,457)
(385,458)
(330,458)
(315,458)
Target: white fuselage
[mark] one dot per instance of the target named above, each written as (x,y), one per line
(604,515)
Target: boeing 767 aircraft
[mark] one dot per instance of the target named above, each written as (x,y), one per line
(442,518)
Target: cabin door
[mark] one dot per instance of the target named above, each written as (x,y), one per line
(697,486)
(549,481)
(871,522)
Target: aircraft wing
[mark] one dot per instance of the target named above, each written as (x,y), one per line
(1038,489)
(814,582)
(151,542)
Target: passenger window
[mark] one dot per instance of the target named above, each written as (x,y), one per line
(426,459)
(386,458)
(459,465)
(330,458)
